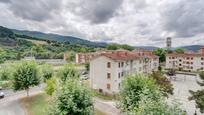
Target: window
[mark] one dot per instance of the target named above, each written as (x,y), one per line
(191,67)
(191,62)
(108,65)
(108,76)
(118,75)
(169,57)
(191,58)
(119,64)
(201,68)
(119,86)
(101,90)
(202,58)
(202,63)
(122,64)
(122,74)
(173,58)
(180,60)
(108,86)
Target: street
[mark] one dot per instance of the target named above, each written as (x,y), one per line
(10,105)
(108,107)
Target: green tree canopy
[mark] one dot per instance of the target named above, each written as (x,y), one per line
(68,71)
(141,96)
(163,83)
(25,76)
(115,46)
(161,53)
(132,89)
(179,50)
(73,98)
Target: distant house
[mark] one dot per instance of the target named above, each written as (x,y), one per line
(187,61)
(107,70)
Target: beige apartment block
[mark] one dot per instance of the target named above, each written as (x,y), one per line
(187,61)
(109,69)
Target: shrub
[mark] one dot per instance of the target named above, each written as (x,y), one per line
(50,87)
(73,98)
(68,71)
(46,72)
(5,73)
(141,96)
(164,84)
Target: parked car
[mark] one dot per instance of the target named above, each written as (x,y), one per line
(1,95)
(84,75)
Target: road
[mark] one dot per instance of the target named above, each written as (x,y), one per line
(108,107)
(10,105)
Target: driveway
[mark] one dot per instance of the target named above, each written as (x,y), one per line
(10,105)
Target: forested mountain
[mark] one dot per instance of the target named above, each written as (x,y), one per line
(14,46)
(58,38)
(191,47)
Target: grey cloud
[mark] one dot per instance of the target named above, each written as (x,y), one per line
(185,18)
(5,1)
(37,10)
(96,11)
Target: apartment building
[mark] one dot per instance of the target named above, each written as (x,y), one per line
(82,58)
(187,61)
(108,69)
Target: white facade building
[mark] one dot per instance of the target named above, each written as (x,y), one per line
(108,70)
(187,61)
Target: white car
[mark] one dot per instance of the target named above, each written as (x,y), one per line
(1,95)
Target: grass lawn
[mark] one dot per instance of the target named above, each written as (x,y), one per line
(35,105)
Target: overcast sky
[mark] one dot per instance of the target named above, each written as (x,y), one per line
(134,22)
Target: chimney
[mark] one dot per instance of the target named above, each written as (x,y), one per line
(202,50)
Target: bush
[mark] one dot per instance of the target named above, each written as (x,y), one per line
(46,72)
(164,84)
(87,66)
(133,87)
(5,73)
(68,71)
(141,96)
(50,87)
(73,98)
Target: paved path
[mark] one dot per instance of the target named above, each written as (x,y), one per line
(182,84)
(10,105)
(108,107)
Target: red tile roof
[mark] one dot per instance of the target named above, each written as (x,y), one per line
(186,55)
(125,55)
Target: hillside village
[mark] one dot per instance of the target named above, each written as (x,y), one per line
(101,57)
(103,69)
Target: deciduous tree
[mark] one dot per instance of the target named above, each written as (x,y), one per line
(25,76)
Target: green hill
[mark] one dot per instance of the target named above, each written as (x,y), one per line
(59,38)
(14,46)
